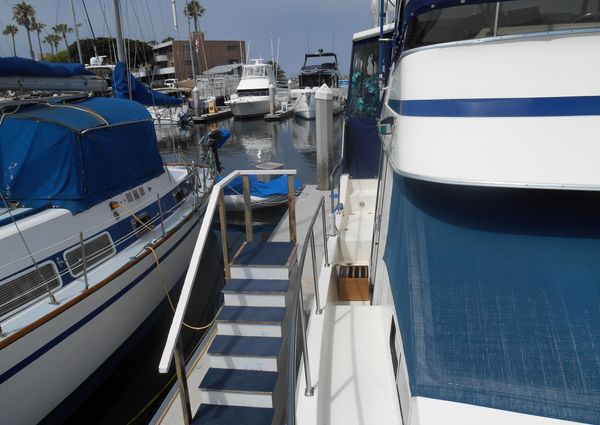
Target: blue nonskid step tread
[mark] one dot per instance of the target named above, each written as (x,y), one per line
(251,314)
(257,286)
(226,345)
(211,414)
(258,253)
(252,381)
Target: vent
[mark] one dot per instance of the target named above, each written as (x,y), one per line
(353,283)
(97,250)
(21,290)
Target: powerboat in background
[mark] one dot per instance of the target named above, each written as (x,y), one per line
(252,95)
(97,233)
(318,69)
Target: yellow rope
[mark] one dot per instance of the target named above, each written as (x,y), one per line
(162,278)
(138,219)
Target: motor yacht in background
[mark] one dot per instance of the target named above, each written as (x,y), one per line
(252,95)
(96,231)
(318,69)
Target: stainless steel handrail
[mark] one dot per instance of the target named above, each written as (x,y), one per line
(298,317)
(172,348)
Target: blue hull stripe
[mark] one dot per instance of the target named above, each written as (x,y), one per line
(488,108)
(51,344)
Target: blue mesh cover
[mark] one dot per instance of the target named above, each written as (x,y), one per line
(275,187)
(497,296)
(14,66)
(76,155)
(139,92)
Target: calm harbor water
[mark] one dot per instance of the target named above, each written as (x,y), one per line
(133,390)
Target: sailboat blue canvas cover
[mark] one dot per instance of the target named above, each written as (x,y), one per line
(139,92)
(78,154)
(10,67)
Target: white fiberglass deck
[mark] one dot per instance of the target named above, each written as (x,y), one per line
(354,378)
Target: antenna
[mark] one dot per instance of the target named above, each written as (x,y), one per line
(272,55)
(248,54)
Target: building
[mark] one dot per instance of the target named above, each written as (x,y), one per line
(172,59)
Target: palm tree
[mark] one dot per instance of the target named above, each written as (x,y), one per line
(24,15)
(53,40)
(193,9)
(63,29)
(11,30)
(38,27)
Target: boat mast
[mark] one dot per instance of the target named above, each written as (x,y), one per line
(119,32)
(76,33)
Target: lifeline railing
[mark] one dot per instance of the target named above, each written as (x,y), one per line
(86,259)
(298,315)
(173,347)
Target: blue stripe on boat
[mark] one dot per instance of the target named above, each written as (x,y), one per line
(509,107)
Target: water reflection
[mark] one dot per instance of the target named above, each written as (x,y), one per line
(291,142)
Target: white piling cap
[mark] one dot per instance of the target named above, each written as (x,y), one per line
(324,93)
(195,89)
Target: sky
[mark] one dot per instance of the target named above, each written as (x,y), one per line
(298,25)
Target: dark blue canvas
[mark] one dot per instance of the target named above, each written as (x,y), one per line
(139,92)
(72,156)
(497,296)
(15,66)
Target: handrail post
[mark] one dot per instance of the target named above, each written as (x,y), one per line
(160,213)
(333,230)
(184,394)
(83,261)
(247,208)
(309,390)
(292,208)
(223,220)
(324,224)
(314,264)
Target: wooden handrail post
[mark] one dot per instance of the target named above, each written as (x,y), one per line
(292,208)
(247,208)
(223,220)
(184,394)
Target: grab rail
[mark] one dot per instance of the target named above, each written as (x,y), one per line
(298,317)
(172,348)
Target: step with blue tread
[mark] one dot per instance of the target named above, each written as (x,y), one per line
(238,380)
(211,414)
(259,286)
(227,345)
(251,314)
(259,253)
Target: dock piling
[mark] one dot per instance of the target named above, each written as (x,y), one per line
(272,99)
(196,98)
(324,117)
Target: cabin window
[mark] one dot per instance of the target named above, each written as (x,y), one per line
(141,223)
(364,85)
(96,249)
(243,93)
(514,17)
(35,282)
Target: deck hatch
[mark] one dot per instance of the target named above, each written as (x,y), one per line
(97,250)
(20,290)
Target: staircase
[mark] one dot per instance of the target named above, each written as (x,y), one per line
(246,381)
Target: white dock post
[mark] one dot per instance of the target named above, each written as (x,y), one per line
(196,98)
(324,116)
(272,99)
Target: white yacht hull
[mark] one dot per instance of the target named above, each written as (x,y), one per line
(40,369)
(249,106)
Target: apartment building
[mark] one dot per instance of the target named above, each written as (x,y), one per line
(172,59)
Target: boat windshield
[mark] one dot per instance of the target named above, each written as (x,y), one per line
(468,22)
(255,71)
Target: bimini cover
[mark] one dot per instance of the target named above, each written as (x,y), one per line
(78,154)
(10,67)
(139,92)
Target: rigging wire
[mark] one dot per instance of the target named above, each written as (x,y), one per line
(90,28)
